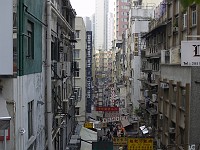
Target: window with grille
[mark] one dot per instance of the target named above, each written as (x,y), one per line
(77,33)
(194,16)
(30,118)
(30,40)
(76,54)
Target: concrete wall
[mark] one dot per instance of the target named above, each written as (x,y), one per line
(176,73)
(33,90)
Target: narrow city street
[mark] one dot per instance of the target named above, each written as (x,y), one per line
(99,74)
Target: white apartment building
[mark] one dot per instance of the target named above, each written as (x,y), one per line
(80,74)
(138,24)
(110,33)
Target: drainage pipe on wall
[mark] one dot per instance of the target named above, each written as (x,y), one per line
(48,76)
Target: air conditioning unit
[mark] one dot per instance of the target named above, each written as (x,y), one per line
(153,77)
(146,93)
(68,71)
(183,92)
(56,69)
(160,116)
(175,29)
(164,85)
(71,100)
(167,53)
(76,95)
(65,105)
(171,130)
(64,73)
(154,97)
(175,89)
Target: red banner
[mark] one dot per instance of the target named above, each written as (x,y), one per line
(107,108)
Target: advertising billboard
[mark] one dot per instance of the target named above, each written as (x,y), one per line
(6,37)
(190,53)
(89,71)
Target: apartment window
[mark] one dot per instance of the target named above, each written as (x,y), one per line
(77,74)
(77,109)
(77,33)
(30,40)
(182,136)
(125,26)
(194,16)
(76,53)
(14,19)
(166,93)
(76,69)
(185,20)
(30,119)
(65,56)
(183,99)
(174,94)
(32,146)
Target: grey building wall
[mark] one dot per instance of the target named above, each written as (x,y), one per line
(194,129)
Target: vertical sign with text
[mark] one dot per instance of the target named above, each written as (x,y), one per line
(89,71)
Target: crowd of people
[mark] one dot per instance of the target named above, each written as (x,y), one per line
(113,130)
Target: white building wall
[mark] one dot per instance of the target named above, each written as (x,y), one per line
(110,30)
(138,27)
(81,80)
(32,88)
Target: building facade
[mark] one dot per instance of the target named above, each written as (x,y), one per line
(121,13)
(171,93)
(40,93)
(80,59)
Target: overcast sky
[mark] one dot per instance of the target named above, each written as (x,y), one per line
(87,7)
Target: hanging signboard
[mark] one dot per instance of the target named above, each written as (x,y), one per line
(107,108)
(89,71)
(140,144)
(119,141)
(88,125)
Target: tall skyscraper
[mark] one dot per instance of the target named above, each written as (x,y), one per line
(93,29)
(110,33)
(121,10)
(101,22)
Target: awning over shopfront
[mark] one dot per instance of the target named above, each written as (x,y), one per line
(89,136)
(125,122)
(4,116)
